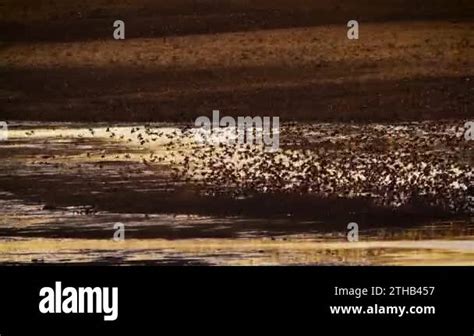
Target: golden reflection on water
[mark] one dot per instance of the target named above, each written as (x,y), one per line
(256,251)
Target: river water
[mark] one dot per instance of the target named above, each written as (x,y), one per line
(64,187)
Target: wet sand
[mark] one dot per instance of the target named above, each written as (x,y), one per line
(396,71)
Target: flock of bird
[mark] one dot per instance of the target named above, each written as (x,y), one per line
(393,165)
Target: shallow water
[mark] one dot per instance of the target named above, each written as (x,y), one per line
(63,187)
